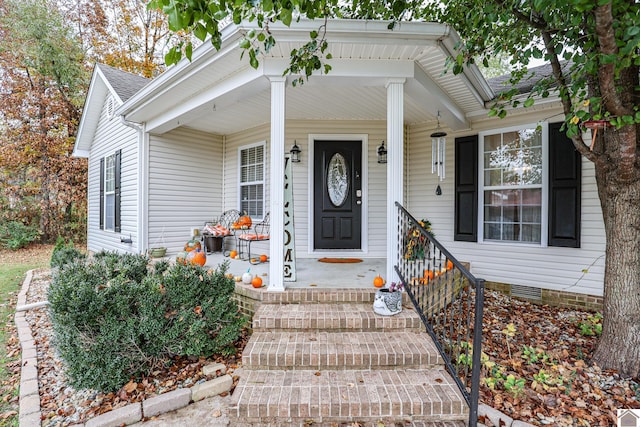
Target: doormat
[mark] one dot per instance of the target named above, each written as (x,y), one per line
(340,260)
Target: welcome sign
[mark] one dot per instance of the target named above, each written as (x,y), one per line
(289,233)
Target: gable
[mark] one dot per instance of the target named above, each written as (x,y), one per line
(109,88)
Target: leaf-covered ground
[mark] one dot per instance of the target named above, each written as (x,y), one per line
(538,368)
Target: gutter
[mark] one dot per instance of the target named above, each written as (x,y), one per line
(143,167)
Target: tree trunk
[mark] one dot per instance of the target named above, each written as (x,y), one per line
(619,345)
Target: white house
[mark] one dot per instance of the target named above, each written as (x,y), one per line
(516,201)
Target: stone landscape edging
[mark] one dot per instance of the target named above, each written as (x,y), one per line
(30,413)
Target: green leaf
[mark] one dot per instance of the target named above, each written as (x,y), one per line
(200,31)
(188,51)
(286,16)
(267,5)
(245,43)
(529,102)
(253,61)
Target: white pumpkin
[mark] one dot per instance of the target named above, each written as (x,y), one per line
(246,277)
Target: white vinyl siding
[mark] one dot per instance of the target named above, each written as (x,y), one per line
(554,268)
(111,135)
(185,185)
(252,180)
(510,185)
(375,186)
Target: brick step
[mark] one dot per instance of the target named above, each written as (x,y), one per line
(323,296)
(376,423)
(332,317)
(346,350)
(309,396)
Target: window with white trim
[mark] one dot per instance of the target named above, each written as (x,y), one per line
(110,193)
(252,180)
(511,188)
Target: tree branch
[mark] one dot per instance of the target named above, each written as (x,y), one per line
(606,72)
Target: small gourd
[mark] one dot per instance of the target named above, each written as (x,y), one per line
(378,281)
(263,258)
(256,282)
(233,254)
(246,277)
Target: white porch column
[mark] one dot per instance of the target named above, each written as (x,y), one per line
(395,167)
(276,184)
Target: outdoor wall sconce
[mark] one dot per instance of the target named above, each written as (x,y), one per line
(382,153)
(295,152)
(438,149)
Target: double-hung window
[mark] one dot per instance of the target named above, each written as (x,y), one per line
(512,185)
(252,180)
(110,192)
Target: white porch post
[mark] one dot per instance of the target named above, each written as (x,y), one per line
(395,166)
(276,184)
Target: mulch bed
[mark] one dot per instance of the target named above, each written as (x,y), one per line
(548,350)
(61,404)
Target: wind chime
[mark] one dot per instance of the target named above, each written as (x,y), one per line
(438,150)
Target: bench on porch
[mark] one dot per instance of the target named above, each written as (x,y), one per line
(259,233)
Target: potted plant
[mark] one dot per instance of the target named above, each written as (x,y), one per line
(388,301)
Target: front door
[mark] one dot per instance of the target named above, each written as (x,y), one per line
(337,194)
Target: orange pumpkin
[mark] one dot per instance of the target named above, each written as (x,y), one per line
(449,265)
(378,281)
(263,258)
(244,221)
(429,274)
(197,257)
(256,282)
(233,254)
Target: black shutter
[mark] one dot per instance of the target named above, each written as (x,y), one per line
(565,170)
(466,187)
(117,190)
(102,194)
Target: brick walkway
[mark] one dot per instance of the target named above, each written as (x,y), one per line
(322,357)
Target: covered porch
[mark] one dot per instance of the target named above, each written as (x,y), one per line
(311,273)
(382,82)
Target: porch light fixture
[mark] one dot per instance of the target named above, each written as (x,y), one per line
(295,152)
(438,149)
(382,153)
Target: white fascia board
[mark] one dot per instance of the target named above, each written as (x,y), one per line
(473,78)
(90,113)
(360,68)
(204,56)
(354,31)
(181,114)
(454,117)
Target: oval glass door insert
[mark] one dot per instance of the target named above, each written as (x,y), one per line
(338,179)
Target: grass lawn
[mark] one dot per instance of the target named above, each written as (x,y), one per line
(13,266)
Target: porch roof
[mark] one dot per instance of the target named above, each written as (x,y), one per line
(218,92)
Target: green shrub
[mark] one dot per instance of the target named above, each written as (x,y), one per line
(65,253)
(15,235)
(112,323)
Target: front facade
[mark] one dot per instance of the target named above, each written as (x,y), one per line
(515,201)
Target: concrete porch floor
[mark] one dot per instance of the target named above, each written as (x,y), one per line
(311,273)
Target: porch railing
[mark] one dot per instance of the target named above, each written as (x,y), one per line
(448,298)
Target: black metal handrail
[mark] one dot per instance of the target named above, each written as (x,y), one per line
(449,300)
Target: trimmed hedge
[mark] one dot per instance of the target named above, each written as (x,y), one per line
(115,318)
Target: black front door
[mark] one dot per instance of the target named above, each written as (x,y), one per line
(337,194)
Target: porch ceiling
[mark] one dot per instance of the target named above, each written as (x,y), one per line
(219,93)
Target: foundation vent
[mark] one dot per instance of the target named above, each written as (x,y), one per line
(526,292)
